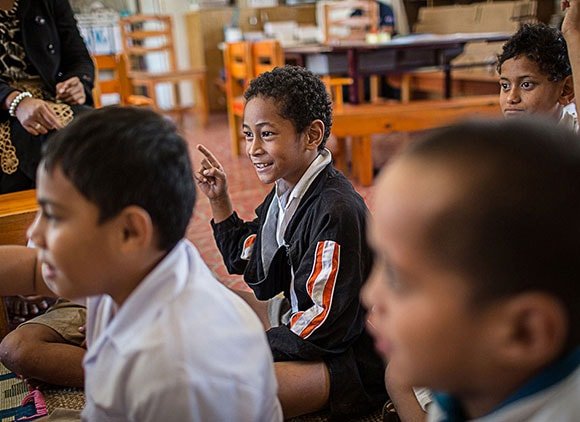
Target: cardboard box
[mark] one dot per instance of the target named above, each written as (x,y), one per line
(505,16)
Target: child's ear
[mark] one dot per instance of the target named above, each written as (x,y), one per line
(567,95)
(136,228)
(535,331)
(314,134)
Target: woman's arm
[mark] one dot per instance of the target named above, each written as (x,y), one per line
(571,31)
(75,58)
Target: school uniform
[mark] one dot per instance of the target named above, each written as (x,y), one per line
(569,118)
(552,395)
(181,347)
(308,241)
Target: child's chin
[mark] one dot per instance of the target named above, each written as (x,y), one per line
(383,346)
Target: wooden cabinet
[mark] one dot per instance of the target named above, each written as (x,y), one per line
(205,32)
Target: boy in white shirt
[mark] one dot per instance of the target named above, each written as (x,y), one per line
(116,194)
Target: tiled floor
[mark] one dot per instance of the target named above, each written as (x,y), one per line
(246,190)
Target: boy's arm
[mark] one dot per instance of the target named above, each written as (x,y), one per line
(571,32)
(331,272)
(235,240)
(20,272)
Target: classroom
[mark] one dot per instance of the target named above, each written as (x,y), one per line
(369,203)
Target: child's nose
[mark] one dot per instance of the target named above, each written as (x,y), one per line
(513,96)
(254,147)
(35,231)
(370,292)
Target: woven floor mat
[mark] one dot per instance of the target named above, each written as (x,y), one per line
(376,416)
(13,390)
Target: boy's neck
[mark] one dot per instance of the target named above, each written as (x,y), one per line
(514,387)
(135,272)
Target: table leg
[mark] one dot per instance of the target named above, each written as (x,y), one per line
(448,82)
(353,94)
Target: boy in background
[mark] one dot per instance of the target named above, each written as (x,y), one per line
(116,194)
(474,290)
(536,77)
(307,242)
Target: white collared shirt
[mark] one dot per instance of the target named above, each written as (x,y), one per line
(289,198)
(569,118)
(182,346)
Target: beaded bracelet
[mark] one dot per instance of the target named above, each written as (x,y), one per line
(16,101)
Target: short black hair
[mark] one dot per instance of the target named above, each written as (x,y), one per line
(515,225)
(122,156)
(541,44)
(301,94)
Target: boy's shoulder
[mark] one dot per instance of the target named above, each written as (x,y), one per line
(558,401)
(331,184)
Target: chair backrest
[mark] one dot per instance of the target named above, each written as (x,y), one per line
(145,34)
(238,67)
(116,81)
(347,20)
(266,55)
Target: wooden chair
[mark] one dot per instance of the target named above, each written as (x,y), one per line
(17,212)
(117,81)
(143,35)
(266,55)
(339,22)
(244,61)
(238,73)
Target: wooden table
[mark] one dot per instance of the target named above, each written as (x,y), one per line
(400,55)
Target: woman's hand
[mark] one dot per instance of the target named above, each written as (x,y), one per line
(211,177)
(71,91)
(36,117)
(571,23)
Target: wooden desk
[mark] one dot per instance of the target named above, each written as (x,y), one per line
(401,55)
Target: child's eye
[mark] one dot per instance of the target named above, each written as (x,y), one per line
(528,85)
(504,86)
(267,134)
(248,135)
(49,216)
(394,281)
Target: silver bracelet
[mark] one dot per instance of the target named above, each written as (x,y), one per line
(16,101)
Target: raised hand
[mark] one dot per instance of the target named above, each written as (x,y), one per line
(36,117)
(211,177)
(71,91)
(212,181)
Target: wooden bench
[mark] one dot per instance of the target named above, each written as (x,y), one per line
(363,120)
(464,82)
(17,212)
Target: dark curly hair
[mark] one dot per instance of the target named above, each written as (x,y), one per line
(302,96)
(542,44)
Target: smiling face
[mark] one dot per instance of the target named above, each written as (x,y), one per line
(421,312)
(276,150)
(525,90)
(77,253)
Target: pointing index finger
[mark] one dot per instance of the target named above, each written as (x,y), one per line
(209,156)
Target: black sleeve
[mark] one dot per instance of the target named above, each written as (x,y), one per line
(75,58)
(235,239)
